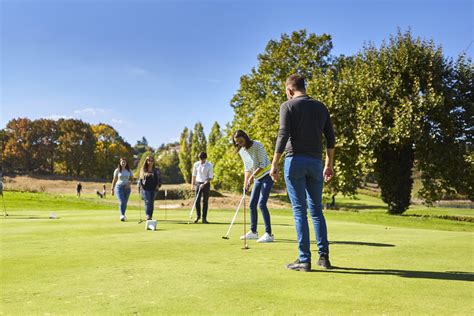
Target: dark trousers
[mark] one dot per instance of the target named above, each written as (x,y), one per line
(204,194)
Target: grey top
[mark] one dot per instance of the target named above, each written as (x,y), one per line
(303,121)
(123,177)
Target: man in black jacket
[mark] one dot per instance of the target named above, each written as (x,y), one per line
(303,121)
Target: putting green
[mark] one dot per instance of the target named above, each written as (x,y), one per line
(88,262)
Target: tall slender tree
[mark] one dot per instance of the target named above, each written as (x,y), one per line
(198,142)
(185,155)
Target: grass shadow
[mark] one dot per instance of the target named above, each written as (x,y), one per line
(355,243)
(27,217)
(360,243)
(448,275)
(355,206)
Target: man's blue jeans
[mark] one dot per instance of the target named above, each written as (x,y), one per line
(123,193)
(149,201)
(259,197)
(304,182)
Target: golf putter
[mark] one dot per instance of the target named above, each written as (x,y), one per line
(166,207)
(140,205)
(5,214)
(194,205)
(233,219)
(245,225)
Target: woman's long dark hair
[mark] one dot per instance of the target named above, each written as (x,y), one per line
(242,134)
(144,170)
(119,167)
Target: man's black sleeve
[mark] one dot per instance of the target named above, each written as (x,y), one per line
(284,131)
(329,133)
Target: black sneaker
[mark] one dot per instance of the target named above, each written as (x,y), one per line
(204,221)
(299,266)
(324,261)
(196,220)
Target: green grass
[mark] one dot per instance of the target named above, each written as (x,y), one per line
(24,201)
(88,262)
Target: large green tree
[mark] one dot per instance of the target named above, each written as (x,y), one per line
(408,111)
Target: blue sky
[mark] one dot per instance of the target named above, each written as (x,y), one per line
(149,68)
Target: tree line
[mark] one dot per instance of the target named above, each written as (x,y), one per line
(65,146)
(397,108)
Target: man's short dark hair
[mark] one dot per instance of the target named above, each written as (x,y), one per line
(202,155)
(296,82)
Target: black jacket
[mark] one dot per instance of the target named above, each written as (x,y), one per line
(151,181)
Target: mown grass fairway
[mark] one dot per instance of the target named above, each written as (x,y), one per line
(88,262)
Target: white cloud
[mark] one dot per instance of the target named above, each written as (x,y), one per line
(135,71)
(57,117)
(117,121)
(90,111)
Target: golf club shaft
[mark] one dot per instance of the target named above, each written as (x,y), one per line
(194,204)
(245,223)
(4,208)
(140,206)
(235,215)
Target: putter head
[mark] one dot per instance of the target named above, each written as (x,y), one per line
(225,237)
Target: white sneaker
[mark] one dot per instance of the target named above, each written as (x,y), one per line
(123,218)
(250,236)
(266,238)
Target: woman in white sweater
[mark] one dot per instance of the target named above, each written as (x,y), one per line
(257,168)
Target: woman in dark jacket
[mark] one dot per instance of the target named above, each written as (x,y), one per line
(149,182)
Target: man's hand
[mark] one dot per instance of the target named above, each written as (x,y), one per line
(112,192)
(327,173)
(274,172)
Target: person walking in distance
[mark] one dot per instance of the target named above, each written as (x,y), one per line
(149,182)
(201,182)
(256,169)
(121,186)
(78,189)
(303,121)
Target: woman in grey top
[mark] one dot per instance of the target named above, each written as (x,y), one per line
(121,186)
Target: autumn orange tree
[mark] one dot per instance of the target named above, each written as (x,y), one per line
(66,146)
(109,148)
